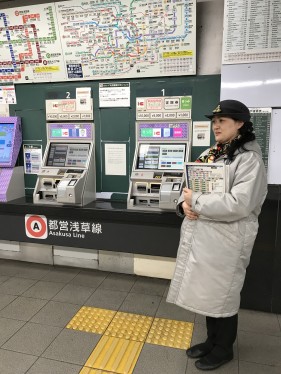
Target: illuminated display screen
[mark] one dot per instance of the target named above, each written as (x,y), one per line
(6,142)
(68,155)
(161,156)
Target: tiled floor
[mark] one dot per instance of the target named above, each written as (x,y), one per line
(38,301)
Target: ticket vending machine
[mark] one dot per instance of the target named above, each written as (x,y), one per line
(11,176)
(67,175)
(158,169)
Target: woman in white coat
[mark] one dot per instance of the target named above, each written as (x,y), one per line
(218,234)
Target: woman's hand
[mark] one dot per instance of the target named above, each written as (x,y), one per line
(188,211)
(187,193)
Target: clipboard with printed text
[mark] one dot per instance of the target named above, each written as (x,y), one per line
(206,177)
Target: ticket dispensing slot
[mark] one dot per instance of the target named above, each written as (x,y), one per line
(142,187)
(155,188)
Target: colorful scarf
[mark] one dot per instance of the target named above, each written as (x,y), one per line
(215,152)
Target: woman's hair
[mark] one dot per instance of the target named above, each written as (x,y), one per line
(246,134)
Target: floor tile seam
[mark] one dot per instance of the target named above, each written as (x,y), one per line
(16,297)
(23,353)
(12,294)
(260,363)
(9,277)
(128,291)
(139,294)
(76,285)
(47,324)
(49,281)
(53,359)
(259,333)
(13,333)
(61,302)
(39,298)
(147,294)
(38,358)
(28,287)
(30,354)
(20,278)
(84,285)
(15,319)
(27,276)
(73,279)
(57,281)
(30,297)
(62,329)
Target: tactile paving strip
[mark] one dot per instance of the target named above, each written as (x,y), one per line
(129,326)
(91,320)
(170,333)
(115,355)
(94,371)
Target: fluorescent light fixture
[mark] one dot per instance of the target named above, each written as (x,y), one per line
(241,84)
(273,81)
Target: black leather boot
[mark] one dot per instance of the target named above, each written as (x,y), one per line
(212,362)
(199,350)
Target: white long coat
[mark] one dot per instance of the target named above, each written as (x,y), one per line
(214,253)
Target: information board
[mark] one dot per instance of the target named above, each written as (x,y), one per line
(252,31)
(163,107)
(261,118)
(85,40)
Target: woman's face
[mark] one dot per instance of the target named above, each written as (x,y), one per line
(225,129)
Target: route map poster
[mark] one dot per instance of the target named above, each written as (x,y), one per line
(30,46)
(97,39)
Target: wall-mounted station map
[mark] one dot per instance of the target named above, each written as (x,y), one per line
(30,48)
(97,39)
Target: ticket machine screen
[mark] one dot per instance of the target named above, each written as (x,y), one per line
(68,155)
(6,142)
(161,156)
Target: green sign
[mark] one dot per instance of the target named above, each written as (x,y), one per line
(146,133)
(56,133)
(186,102)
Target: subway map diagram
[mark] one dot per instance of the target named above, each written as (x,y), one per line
(30,47)
(97,39)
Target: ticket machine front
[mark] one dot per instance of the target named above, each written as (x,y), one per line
(67,175)
(11,177)
(158,170)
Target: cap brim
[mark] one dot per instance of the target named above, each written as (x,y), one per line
(237,116)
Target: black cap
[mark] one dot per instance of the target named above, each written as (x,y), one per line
(231,108)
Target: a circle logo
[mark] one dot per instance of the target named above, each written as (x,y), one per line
(36,226)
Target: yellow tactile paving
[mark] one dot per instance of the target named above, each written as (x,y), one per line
(129,326)
(124,335)
(94,371)
(115,355)
(91,320)
(170,333)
